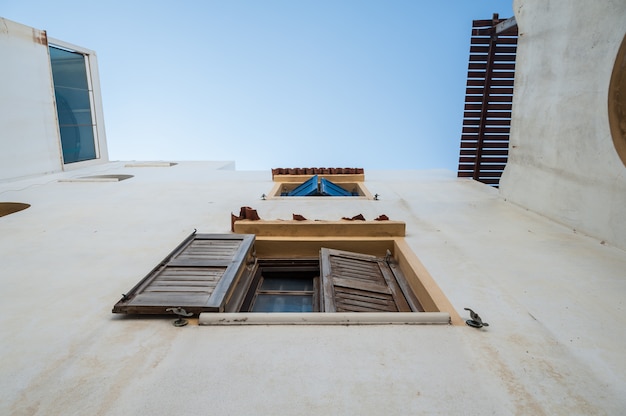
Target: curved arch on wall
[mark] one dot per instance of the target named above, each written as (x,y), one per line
(617,102)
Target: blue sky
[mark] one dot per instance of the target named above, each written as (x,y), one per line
(343,83)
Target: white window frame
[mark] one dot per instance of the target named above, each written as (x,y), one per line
(97,113)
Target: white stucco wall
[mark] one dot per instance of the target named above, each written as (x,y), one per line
(29,137)
(562,161)
(553,298)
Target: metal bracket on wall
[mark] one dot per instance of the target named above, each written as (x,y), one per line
(180,312)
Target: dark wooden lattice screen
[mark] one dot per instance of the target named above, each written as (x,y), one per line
(488,100)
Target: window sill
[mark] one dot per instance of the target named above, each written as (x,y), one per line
(313,228)
(321,318)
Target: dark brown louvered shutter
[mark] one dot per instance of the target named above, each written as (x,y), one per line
(205,273)
(488,100)
(354,282)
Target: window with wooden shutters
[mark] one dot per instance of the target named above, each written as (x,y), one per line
(205,273)
(220,273)
(316,186)
(354,282)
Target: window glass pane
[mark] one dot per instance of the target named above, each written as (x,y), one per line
(75,143)
(283,303)
(68,69)
(73,100)
(286,283)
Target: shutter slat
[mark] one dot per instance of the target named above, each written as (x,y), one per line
(362,299)
(190,288)
(365,308)
(347,293)
(361,284)
(161,301)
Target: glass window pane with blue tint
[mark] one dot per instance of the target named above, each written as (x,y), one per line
(287,284)
(285,292)
(283,303)
(73,100)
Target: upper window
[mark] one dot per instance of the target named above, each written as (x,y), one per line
(319,187)
(74,102)
(305,182)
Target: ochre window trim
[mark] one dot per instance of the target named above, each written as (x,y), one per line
(421,284)
(305,238)
(424,287)
(288,182)
(314,228)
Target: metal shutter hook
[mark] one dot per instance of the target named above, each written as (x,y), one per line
(180,312)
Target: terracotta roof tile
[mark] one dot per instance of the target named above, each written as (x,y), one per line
(317,171)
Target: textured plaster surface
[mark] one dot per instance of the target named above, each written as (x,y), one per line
(554,299)
(562,160)
(28,121)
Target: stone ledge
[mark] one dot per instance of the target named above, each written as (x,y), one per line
(310,228)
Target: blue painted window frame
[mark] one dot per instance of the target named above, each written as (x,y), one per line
(328,188)
(308,188)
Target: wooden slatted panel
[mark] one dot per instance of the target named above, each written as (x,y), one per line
(488,102)
(176,286)
(201,252)
(196,276)
(353,282)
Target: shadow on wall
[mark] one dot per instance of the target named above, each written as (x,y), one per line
(617,102)
(7,208)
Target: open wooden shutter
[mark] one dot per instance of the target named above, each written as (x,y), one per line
(329,188)
(354,282)
(308,188)
(205,273)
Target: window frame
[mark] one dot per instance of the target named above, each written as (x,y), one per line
(316,186)
(436,307)
(287,183)
(297,266)
(294,239)
(95,96)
